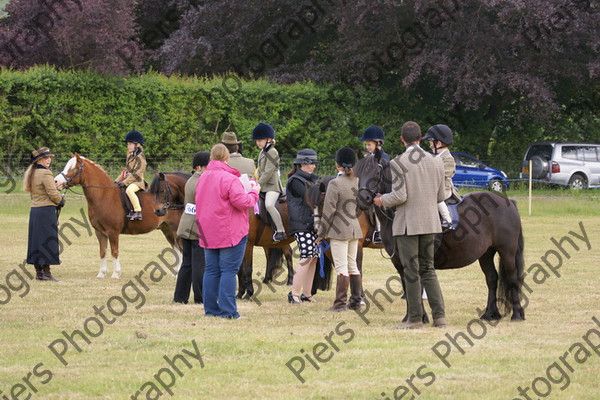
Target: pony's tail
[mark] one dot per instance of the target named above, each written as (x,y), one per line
(506,282)
(322,283)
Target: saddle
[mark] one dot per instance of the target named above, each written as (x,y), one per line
(127,207)
(452,203)
(263,214)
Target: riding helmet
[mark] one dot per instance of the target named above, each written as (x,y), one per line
(201,159)
(306,156)
(134,137)
(439,132)
(263,131)
(374,133)
(345,157)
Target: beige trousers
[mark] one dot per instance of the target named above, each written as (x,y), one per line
(344,256)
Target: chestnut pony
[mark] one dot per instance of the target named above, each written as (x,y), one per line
(106,213)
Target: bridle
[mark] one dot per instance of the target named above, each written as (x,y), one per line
(168,195)
(78,172)
(378,179)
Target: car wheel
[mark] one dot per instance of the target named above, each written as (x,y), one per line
(497,186)
(578,181)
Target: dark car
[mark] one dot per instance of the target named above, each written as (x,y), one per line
(470,172)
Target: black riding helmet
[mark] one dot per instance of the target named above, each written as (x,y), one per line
(439,132)
(263,131)
(134,137)
(373,133)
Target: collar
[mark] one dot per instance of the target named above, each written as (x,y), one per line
(215,165)
(39,166)
(443,151)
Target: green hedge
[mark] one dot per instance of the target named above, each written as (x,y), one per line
(88,113)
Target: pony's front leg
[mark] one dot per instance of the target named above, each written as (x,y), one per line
(103,268)
(114,250)
(117,268)
(102,242)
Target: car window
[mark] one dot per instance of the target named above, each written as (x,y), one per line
(542,150)
(467,161)
(570,152)
(589,153)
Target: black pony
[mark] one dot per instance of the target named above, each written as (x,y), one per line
(489,224)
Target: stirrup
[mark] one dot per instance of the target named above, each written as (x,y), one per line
(376,237)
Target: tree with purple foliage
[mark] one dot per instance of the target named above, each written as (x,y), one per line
(94,34)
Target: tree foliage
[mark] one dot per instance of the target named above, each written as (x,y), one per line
(73,34)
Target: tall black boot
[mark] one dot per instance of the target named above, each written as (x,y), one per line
(48,274)
(341,294)
(355,292)
(39,273)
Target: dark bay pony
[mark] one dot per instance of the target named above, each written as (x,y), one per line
(489,224)
(169,189)
(106,213)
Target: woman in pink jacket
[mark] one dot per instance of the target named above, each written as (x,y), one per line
(222,215)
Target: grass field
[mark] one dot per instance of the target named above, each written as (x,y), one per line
(246,358)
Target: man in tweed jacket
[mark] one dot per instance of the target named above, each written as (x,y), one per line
(417,187)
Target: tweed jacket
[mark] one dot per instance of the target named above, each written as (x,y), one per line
(417,187)
(242,164)
(43,189)
(449,171)
(135,166)
(268,170)
(188,228)
(338,220)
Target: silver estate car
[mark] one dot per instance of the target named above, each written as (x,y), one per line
(574,164)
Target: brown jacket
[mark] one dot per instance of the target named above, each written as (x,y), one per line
(268,170)
(188,227)
(417,187)
(242,164)
(135,166)
(449,171)
(43,189)
(339,219)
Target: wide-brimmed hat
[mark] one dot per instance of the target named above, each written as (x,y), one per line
(306,156)
(230,138)
(40,153)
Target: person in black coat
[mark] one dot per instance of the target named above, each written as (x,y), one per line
(301,224)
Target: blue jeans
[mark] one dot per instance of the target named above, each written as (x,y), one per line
(218,290)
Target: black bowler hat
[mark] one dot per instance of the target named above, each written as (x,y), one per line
(306,156)
(345,157)
(40,153)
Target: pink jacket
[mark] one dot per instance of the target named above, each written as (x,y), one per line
(222,206)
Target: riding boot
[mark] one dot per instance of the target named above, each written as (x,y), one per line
(48,274)
(341,294)
(39,273)
(355,292)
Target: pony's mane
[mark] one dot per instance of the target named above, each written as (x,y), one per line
(313,193)
(367,163)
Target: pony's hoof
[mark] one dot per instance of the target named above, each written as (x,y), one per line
(116,275)
(101,275)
